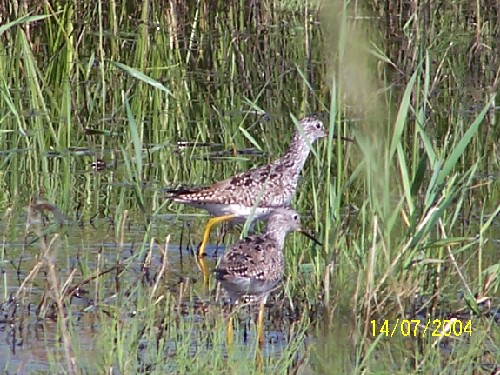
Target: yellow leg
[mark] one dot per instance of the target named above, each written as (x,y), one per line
(206,237)
(260,337)
(230,332)
(206,234)
(259,360)
(260,326)
(203,268)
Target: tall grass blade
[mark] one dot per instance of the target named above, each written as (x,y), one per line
(134,134)
(23,20)
(402,116)
(459,149)
(142,77)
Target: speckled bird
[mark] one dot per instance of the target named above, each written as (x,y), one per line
(263,188)
(253,267)
(258,191)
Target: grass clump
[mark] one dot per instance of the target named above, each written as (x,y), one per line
(165,95)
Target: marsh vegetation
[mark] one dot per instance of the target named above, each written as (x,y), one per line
(104,105)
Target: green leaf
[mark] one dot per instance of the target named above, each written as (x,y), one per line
(21,20)
(142,77)
(458,151)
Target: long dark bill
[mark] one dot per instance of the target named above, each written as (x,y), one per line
(311,237)
(335,136)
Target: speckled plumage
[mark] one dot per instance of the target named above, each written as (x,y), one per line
(251,268)
(263,188)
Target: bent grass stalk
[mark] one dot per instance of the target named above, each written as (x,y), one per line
(413,179)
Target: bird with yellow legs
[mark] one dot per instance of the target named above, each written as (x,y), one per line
(250,269)
(256,193)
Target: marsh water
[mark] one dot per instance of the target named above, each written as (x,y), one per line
(89,146)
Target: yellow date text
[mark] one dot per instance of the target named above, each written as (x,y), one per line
(421,327)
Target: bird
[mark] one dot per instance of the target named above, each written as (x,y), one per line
(254,194)
(250,269)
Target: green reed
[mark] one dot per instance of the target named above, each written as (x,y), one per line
(391,208)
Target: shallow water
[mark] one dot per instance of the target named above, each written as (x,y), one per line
(235,83)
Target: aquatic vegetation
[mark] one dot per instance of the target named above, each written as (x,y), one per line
(104,106)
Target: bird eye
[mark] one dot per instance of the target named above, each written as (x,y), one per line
(318,125)
(295,217)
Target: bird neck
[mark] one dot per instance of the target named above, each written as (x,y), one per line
(276,233)
(297,154)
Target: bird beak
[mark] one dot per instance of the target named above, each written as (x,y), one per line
(310,236)
(348,139)
(344,138)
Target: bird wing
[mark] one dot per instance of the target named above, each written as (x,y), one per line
(247,257)
(253,184)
